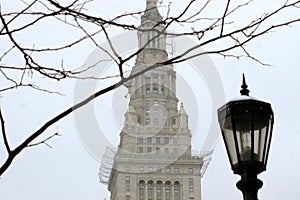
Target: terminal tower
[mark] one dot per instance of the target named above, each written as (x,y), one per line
(154,160)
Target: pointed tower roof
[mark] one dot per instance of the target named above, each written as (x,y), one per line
(130,109)
(151,12)
(182,110)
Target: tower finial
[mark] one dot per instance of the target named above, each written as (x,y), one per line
(244,90)
(150,4)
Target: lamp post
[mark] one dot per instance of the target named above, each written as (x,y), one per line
(246,125)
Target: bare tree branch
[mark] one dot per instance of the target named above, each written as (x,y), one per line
(4,132)
(76,16)
(44,141)
(223,17)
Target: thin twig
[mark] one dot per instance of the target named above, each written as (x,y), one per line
(44,141)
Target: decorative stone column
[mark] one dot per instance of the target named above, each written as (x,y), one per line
(146,190)
(154,191)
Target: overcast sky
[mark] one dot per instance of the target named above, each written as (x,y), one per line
(69,171)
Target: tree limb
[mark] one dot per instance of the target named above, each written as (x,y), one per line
(4,132)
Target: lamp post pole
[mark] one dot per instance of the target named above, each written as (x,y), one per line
(249,185)
(247,125)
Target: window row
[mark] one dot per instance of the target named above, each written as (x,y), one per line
(155,112)
(156,121)
(155,103)
(156,150)
(158,140)
(160,190)
(155,89)
(168,170)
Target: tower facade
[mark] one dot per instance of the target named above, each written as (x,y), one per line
(154,159)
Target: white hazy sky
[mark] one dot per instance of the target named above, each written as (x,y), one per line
(68,171)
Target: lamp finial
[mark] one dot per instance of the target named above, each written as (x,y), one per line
(244,90)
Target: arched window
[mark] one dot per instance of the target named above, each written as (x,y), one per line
(176,190)
(168,190)
(141,190)
(150,189)
(159,189)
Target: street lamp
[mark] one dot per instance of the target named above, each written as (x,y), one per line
(246,125)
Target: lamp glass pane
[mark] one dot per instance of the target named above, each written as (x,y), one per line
(230,144)
(268,141)
(259,141)
(244,143)
(243,134)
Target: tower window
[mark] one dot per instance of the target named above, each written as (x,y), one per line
(173,121)
(158,192)
(155,88)
(157,140)
(127,183)
(176,170)
(168,170)
(147,112)
(149,149)
(191,171)
(191,182)
(147,121)
(162,89)
(147,103)
(147,90)
(174,150)
(140,140)
(141,150)
(127,179)
(166,140)
(155,103)
(176,192)
(167,192)
(149,140)
(174,140)
(155,121)
(164,104)
(149,191)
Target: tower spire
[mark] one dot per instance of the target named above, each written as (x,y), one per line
(150,4)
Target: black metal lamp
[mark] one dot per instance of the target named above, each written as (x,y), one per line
(246,125)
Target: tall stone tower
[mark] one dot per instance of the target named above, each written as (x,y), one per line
(154,159)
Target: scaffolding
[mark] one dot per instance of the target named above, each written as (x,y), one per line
(107,164)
